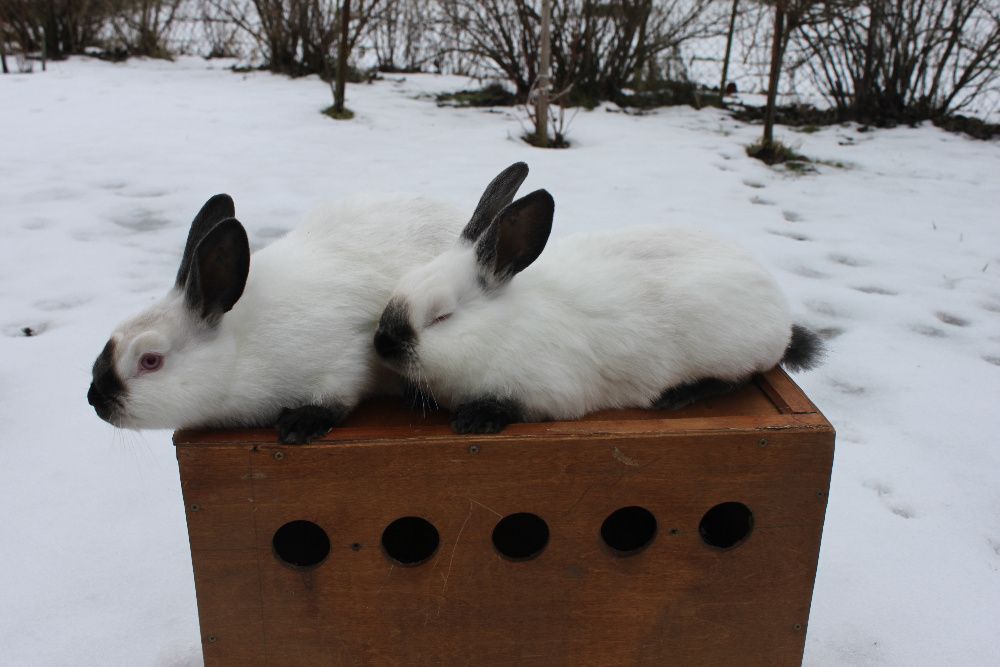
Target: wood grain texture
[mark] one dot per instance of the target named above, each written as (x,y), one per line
(678,601)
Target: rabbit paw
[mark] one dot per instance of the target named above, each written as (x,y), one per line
(684,395)
(297,426)
(485,415)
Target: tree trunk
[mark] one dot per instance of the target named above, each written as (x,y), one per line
(863,97)
(772,85)
(3,54)
(544,67)
(338,93)
(729,50)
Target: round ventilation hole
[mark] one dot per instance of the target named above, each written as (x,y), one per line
(726,525)
(521,536)
(301,544)
(629,530)
(410,540)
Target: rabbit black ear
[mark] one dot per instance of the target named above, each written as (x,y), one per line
(499,193)
(219,268)
(516,236)
(215,210)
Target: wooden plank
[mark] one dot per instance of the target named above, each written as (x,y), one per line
(770,396)
(218,498)
(784,393)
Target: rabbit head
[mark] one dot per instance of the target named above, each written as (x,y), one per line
(434,301)
(159,366)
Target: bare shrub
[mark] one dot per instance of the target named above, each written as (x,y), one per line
(405,36)
(298,37)
(889,60)
(143,27)
(600,47)
(56,28)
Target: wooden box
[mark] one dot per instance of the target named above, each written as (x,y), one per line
(627,538)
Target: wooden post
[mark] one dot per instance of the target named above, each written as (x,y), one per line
(542,89)
(342,51)
(772,86)
(729,50)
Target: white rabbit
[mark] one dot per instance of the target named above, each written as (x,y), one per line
(644,317)
(283,335)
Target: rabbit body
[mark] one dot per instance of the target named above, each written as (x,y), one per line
(608,320)
(298,333)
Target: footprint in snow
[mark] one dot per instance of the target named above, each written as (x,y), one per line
(807,272)
(885,493)
(791,216)
(760,201)
(848,388)
(953,320)
(992,359)
(847,260)
(795,236)
(142,193)
(141,220)
(753,184)
(36,223)
(873,289)
(929,331)
(991,306)
(995,545)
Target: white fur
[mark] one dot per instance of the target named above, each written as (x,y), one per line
(301,332)
(606,320)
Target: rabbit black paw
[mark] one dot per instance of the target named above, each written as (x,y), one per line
(485,415)
(684,395)
(297,426)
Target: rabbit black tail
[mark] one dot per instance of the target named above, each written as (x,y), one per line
(805,350)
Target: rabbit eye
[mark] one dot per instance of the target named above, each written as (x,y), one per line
(440,318)
(150,361)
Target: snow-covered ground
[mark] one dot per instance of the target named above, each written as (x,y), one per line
(895,257)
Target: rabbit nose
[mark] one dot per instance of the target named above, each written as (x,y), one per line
(387,345)
(93,396)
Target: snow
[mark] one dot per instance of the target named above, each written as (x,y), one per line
(895,257)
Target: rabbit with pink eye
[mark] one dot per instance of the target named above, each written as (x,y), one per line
(282,336)
(644,317)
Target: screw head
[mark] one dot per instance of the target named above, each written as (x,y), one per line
(356,546)
(279,456)
(195,507)
(797,626)
(674,531)
(762,442)
(211,639)
(473,449)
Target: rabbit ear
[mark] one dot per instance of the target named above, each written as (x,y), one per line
(498,194)
(516,237)
(218,273)
(215,210)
